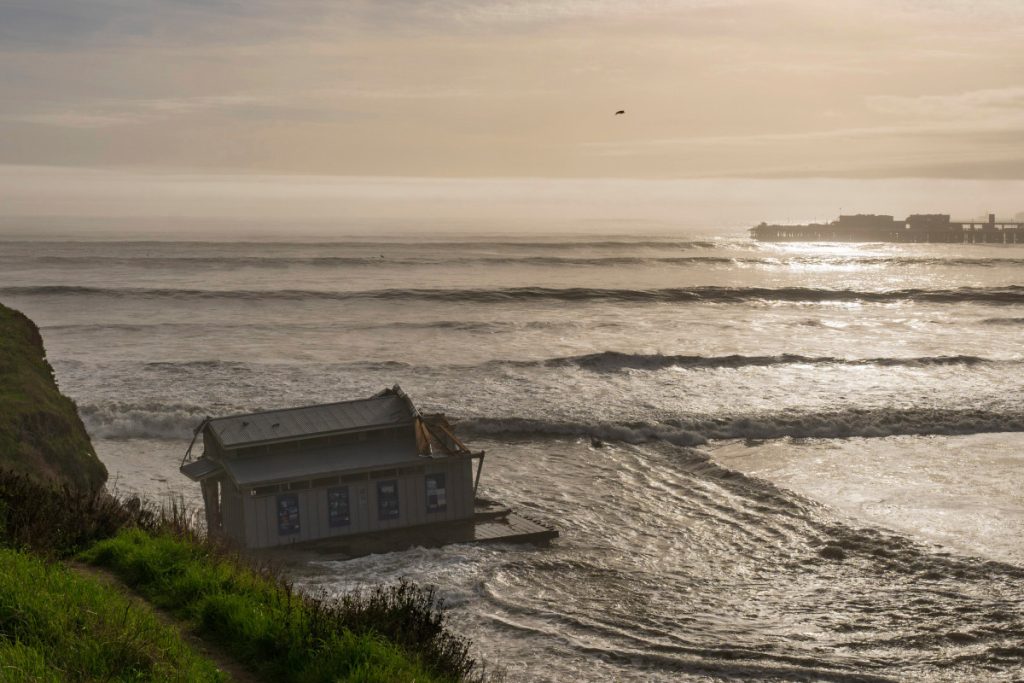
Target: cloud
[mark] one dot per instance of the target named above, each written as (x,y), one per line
(104,114)
(968,128)
(92,202)
(504,87)
(974,133)
(536,11)
(305,106)
(990,104)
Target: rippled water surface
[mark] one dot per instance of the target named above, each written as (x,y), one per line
(812,453)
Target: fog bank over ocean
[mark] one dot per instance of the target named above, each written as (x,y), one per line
(165,205)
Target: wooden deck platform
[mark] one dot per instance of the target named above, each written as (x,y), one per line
(512,529)
(491,523)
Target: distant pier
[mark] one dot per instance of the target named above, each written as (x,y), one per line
(917,228)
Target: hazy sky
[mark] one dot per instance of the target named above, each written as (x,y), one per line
(713,89)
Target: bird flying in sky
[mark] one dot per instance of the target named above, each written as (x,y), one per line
(621,111)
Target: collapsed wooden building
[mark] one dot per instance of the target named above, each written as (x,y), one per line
(349,469)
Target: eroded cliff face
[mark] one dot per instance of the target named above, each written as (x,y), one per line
(41,433)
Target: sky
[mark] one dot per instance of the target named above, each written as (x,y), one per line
(471,108)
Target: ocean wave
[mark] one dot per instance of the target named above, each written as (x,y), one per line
(899,261)
(207,367)
(614,361)
(634,432)
(196,365)
(145,421)
(694,431)
(270,262)
(603,362)
(227,261)
(173,421)
(177,327)
(456,325)
(239,261)
(1007,322)
(1013,294)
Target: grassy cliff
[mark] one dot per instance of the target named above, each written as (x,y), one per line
(41,434)
(59,625)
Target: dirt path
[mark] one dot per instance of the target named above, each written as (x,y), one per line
(223,661)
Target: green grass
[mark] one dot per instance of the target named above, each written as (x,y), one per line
(59,626)
(41,433)
(281,634)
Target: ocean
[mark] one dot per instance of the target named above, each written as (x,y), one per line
(812,453)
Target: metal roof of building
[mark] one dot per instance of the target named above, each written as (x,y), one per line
(380,411)
(267,469)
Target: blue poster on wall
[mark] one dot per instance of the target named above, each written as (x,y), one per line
(437,500)
(288,514)
(337,507)
(387,500)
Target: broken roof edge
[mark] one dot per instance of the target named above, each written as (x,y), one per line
(396,390)
(437,427)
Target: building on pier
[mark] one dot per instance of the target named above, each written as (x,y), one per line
(916,228)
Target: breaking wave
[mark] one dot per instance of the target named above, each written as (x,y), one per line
(1008,322)
(693,431)
(1013,294)
(613,361)
(190,366)
(489,326)
(176,421)
(599,363)
(632,432)
(149,421)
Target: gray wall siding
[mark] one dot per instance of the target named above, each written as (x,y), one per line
(261,521)
(359,492)
(458,491)
(232,512)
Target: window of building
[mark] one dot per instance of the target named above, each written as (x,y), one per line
(436,498)
(288,514)
(387,499)
(264,490)
(338,513)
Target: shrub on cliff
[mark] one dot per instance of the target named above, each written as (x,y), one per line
(61,521)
